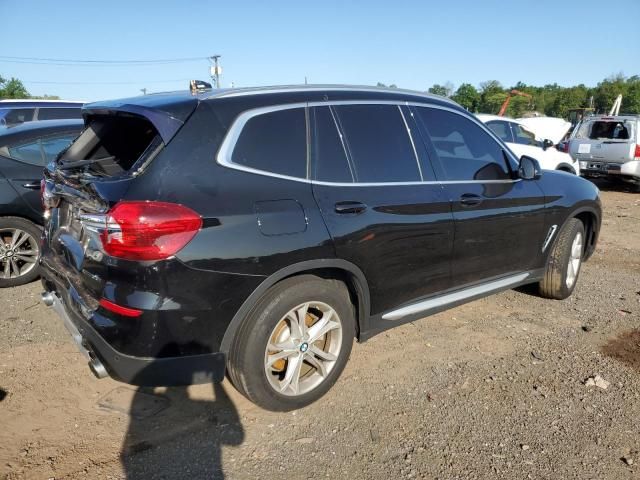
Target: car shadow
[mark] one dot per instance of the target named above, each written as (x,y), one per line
(614,185)
(177,435)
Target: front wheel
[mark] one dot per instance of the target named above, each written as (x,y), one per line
(565,260)
(294,344)
(19,251)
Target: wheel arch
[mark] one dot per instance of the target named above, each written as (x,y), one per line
(565,167)
(337,269)
(590,218)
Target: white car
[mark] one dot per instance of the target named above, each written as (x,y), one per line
(522,140)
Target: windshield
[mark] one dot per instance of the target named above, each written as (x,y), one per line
(606,130)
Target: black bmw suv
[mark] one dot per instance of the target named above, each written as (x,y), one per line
(258,231)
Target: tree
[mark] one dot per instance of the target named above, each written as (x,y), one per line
(443,90)
(467,96)
(492,95)
(12,88)
(380,84)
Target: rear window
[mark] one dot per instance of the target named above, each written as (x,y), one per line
(39,151)
(112,144)
(605,130)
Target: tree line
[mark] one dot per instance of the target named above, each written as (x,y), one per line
(551,100)
(14,88)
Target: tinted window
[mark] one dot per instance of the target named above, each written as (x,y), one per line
(465,150)
(523,136)
(274,142)
(45,113)
(40,151)
(502,130)
(378,143)
(329,156)
(18,115)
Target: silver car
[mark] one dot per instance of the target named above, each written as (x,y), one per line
(608,146)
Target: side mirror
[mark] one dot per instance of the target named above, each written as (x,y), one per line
(546,143)
(529,168)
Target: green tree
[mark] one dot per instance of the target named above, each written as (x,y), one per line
(12,88)
(438,90)
(492,95)
(467,96)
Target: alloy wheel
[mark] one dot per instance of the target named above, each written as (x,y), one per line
(575,258)
(303,348)
(19,252)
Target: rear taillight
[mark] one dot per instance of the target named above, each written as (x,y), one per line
(47,198)
(636,154)
(148,230)
(119,309)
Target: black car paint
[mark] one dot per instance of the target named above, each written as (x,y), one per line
(416,235)
(19,181)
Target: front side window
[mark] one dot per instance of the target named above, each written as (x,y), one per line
(378,143)
(18,115)
(501,129)
(466,151)
(274,142)
(524,136)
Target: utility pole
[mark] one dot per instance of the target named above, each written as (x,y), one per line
(144,91)
(215,70)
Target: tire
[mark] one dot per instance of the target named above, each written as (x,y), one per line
(270,344)
(14,269)
(564,262)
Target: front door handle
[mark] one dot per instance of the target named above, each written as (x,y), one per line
(32,185)
(350,207)
(470,200)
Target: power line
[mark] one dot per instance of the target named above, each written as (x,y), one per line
(93,63)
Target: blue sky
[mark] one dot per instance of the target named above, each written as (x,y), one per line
(413,44)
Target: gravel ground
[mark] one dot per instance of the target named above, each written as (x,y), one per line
(498,388)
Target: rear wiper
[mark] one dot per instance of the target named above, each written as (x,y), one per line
(84,163)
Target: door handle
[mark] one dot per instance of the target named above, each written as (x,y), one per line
(470,200)
(350,207)
(32,185)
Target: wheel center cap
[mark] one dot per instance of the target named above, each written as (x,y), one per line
(9,253)
(304,346)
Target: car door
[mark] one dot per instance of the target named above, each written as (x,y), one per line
(499,219)
(26,160)
(384,212)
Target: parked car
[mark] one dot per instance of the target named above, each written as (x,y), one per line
(260,230)
(24,151)
(523,141)
(608,146)
(13,112)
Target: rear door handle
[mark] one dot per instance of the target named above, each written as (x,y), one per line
(470,200)
(32,185)
(350,207)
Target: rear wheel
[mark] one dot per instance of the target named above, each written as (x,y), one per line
(19,251)
(294,344)
(565,260)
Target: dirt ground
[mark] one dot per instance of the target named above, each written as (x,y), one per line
(492,389)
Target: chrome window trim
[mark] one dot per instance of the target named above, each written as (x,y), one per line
(223,157)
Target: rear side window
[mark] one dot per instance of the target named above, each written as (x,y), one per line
(41,151)
(274,142)
(378,143)
(330,160)
(465,150)
(46,113)
(501,129)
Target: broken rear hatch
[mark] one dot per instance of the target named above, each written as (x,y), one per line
(121,138)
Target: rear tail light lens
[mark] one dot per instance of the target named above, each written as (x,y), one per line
(119,309)
(636,154)
(148,230)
